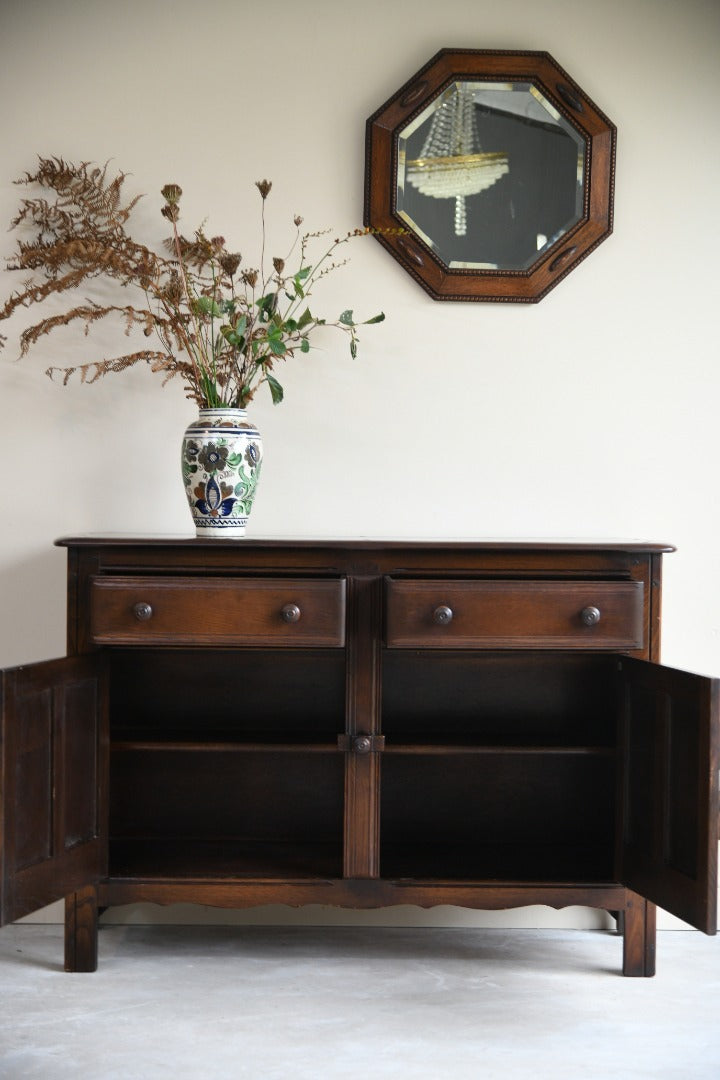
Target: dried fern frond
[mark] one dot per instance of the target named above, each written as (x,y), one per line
(33,294)
(93,255)
(83,185)
(88,313)
(41,213)
(90,373)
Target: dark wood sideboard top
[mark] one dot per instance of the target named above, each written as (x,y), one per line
(367,544)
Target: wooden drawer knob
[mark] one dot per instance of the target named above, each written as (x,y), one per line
(290,613)
(142,611)
(590,616)
(443,615)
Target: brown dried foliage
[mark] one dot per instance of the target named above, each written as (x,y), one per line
(78,234)
(221,332)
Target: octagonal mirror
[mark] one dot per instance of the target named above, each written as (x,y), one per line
(489,175)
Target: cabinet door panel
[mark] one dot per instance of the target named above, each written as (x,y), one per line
(53,838)
(669,789)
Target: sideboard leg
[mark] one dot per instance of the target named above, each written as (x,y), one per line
(639,937)
(81,930)
(619,917)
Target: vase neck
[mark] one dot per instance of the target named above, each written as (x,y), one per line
(223,410)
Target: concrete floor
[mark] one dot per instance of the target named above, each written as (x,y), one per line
(303,1003)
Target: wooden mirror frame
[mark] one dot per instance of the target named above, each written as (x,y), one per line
(553,263)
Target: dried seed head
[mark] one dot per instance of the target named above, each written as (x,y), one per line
(173,291)
(171,211)
(279,265)
(230,263)
(298,220)
(250,277)
(263,187)
(171,192)
(218,242)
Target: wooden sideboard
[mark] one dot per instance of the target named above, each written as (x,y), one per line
(361,724)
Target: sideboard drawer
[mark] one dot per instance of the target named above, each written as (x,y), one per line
(212,611)
(514,614)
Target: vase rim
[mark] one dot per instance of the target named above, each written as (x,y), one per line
(222,408)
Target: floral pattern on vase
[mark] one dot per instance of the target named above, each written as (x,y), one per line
(221,460)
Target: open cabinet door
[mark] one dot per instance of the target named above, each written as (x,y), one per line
(53,750)
(668,828)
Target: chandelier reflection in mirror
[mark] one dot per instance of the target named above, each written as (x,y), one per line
(451,163)
(498,168)
(540,199)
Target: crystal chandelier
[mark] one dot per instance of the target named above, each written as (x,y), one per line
(451,163)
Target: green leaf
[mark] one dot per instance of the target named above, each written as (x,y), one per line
(205,305)
(275,389)
(232,337)
(353,347)
(266,304)
(259,346)
(304,345)
(305,319)
(375,319)
(298,279)
(277,346)
(347,318)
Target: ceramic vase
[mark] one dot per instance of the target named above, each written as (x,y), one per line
(221,460)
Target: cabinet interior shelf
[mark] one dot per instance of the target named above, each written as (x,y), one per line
(498,863)
(240,859)
(223,858)
(467,747)
(195,745)
(149,745)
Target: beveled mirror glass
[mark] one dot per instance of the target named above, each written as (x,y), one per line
(489,175)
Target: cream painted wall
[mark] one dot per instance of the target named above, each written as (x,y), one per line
(592,414)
